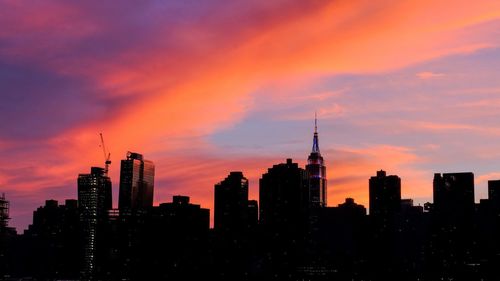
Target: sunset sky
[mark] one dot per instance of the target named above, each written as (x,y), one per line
(206,87)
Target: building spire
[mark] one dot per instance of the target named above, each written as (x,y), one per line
(315,122)
(315,148)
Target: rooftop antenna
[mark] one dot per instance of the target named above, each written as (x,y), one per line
(315,122)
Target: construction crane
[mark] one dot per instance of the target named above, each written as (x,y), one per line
(107,156)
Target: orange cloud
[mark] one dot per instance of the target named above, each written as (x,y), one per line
(481,179)
(429,75)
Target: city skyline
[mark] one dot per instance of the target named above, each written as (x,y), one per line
(411,88)
(292,237)
(131,157)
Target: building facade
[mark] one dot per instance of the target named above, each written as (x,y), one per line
(136,183)
(93,207)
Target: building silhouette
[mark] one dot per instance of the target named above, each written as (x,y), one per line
(172,242)
(4,212)
(385,194)
(494,195)
(136,183)
(231,206)
(454,195)
(53,242)
(317,173)
(453,224)
(93,206)
(7,235)
(284,195)
(184,216)
(284,206)
(407,207)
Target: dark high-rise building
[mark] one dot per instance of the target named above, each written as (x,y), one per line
(317,173)
(94,193)
(453,219)
(51,242)
(172,243)
(93,207)
(454,194)
(7,235)
(136,183)
(231,203)
(385,194)
(283,194)
(4,212)
(494,192)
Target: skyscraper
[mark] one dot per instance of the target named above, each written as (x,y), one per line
(385,194)
(283,194)
(231,203)
(4,212)
(7,234)
(93,206)
(317,173)
(5,230)
(136,183)
(454,194)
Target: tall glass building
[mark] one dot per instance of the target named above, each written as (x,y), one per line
(93,190)
(136,183)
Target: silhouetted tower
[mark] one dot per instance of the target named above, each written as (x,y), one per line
(385,194)
(231,203)
(454,194)
(136,183)
(4,212)
(317,173)
(283,194)
(93,208)
(494,193)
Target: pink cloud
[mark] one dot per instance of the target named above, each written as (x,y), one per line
(482,179)
(429,75)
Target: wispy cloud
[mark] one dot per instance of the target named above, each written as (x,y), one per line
(429,75)
(486,177)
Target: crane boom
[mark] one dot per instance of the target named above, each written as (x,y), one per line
(107,155)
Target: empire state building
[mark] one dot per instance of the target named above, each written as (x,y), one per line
(317,173)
